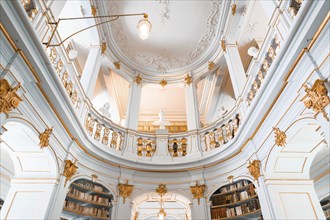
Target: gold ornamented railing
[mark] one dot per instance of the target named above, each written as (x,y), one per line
(266,63)
(221,135)
(177,147)
(103,134)
(60,68)
(146,147)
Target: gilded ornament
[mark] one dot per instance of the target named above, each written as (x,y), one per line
(117,65)
(138,80)
(198,191)
(163,83)
(280,137)
(223,45)
(230,178)
(211,65)
(254,169)
(94,178)
(93,10)
(70,169)
(103,48)
(233,9)
(161,190)
(44,137)
(8,97)
(317,98)
(188,79)
(125,190)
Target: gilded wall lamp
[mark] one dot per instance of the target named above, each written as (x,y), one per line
(144,26)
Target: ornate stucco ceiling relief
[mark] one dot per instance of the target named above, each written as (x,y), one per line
(184,34)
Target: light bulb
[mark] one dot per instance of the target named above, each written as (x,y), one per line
(144,27)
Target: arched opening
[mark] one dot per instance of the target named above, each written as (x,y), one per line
(30,172)
(147,207)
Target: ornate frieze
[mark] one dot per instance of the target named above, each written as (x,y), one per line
(44,137)
(317,98)
(125,190)
(8,97)
(70,169)
(280,137)
(254,169)
(198,191)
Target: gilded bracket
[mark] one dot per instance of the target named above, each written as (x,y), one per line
(125,190)
(198,191)
(70,169)
(138,80)
(254,169)
(188,79)
(317,98)
(8,97)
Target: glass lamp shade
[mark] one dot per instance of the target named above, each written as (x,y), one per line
(144,27)
(72,54)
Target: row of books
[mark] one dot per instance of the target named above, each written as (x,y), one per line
(90,186)
(235,186)
(85,210)
(88,197)
(233,198)
(235,211)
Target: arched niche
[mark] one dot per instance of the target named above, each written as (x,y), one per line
(235,200)
(86,198)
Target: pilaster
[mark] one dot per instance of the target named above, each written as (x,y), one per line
(193,120)
(91,70)
(133,106)
(236,69)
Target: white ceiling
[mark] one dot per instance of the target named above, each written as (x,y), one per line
(182,33)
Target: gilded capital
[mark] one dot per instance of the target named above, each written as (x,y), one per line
(211,65)
(8,97)
(103,47)
(198,191)
(188,79)
(117,65)
(317,98)
(138,80)
(163,83)
(254,169)
(44,137)
(223,45)
(125,190)
(70,169)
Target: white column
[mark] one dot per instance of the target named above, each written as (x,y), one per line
(199,211)
(123,211)
(236,69)
(27,199)
(192,107)
(294,199)
(58,199)
(91,70)
(133,106)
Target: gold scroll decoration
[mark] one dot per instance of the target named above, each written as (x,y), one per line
(70,169)
(254,169)
(8,97)
(198,191)
(280,137)
(317,98)
(44,137)
(125,190)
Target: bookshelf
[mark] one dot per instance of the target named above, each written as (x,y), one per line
(325,203)
(237,200)
(87,199)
